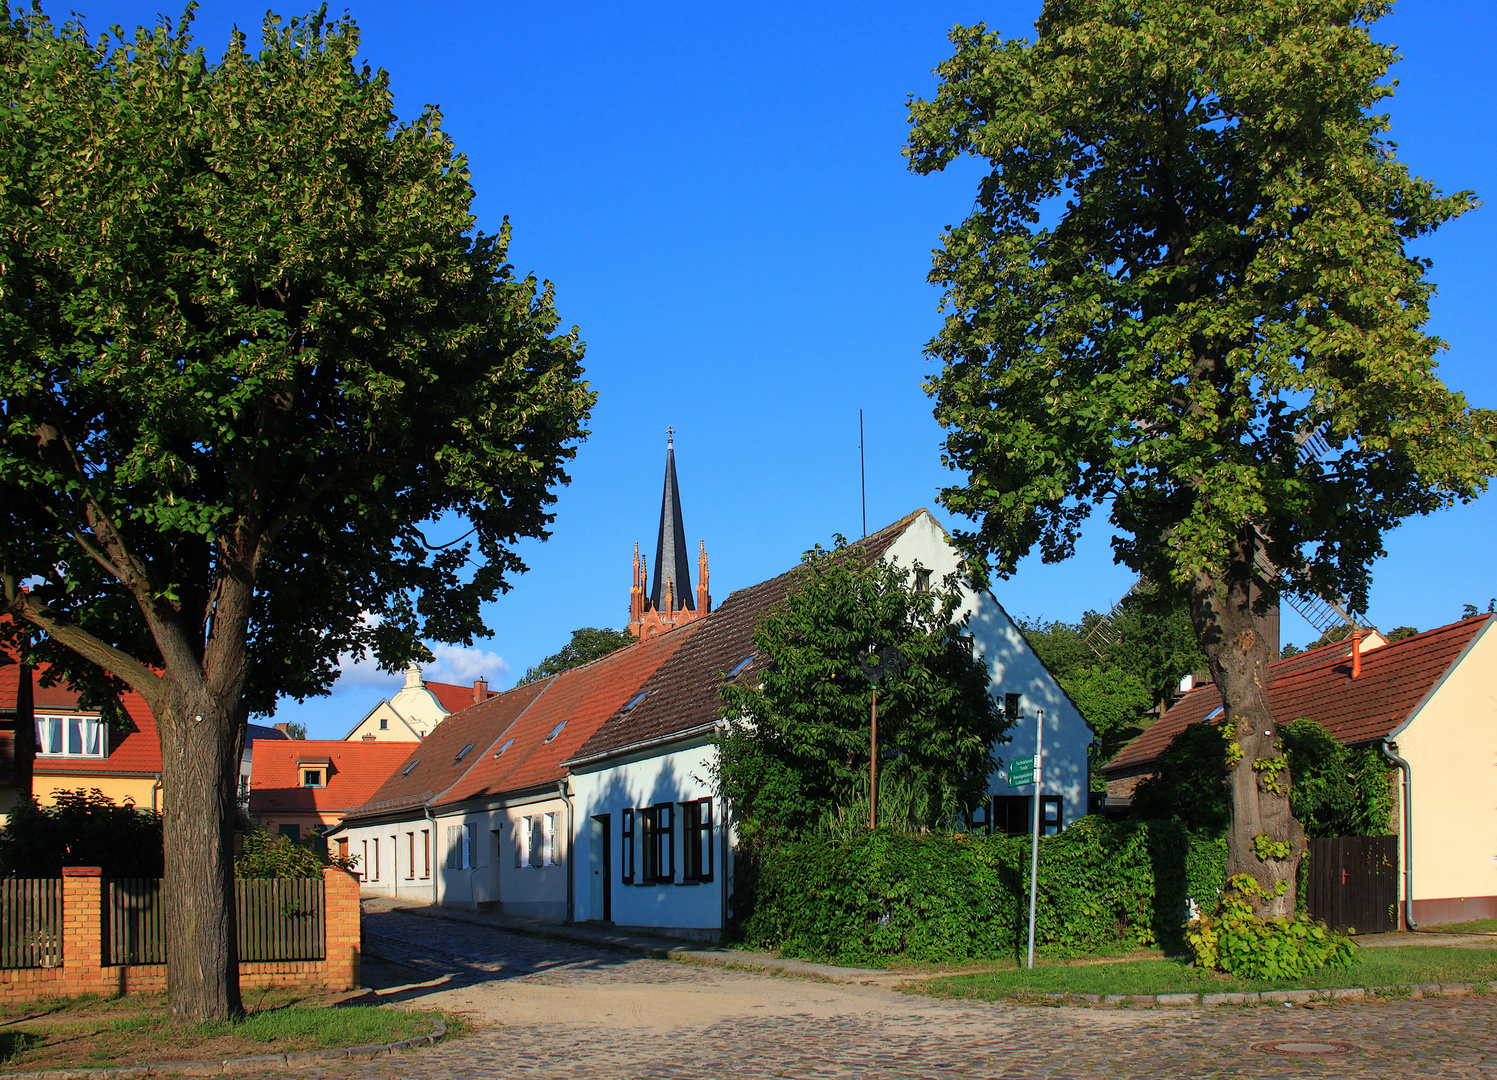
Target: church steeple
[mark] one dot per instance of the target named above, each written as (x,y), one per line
(672,572)
(671,601)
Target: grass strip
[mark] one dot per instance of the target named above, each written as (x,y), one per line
(1406,965)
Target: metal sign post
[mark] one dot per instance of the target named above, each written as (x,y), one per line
(1034,847)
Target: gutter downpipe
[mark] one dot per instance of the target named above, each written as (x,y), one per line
(561,787)
(435,868)
(1408,833)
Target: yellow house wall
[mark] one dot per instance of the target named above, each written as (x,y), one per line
(116,788)
(1451,748)
(398,730)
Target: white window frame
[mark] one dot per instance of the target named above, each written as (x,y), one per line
(548,839)
(63,725)
(470,845)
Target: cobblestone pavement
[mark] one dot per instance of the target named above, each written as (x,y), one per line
(548,1009)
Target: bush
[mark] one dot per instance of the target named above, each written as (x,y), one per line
(82,828)
(1235,940)
(266,856)
(882,894)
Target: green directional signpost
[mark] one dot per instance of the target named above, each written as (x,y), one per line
(1021,772)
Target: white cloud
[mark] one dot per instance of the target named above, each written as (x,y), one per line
(458,665)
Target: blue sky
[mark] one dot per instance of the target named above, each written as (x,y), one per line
(718,195)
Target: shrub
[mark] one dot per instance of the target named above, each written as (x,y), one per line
(266,856)
(1235,940)
(81,828)
(882,894)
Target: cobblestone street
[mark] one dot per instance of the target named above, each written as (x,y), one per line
(558,1009)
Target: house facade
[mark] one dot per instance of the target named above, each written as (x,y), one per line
(302,788)
(655,842)
(1429,704)
(411,713)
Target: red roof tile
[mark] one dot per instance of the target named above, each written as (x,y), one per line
(357,771)
(135,750)
(455,698)
(1394,680)
(683,695)
(10,683)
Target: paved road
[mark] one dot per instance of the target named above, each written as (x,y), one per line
(557,1009)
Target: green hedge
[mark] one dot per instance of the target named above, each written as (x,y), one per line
(882,894)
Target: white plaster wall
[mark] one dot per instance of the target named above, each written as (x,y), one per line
(681,774)
(1013,668)
(1451,747)
(396,875)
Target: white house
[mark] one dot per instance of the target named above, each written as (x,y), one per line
(654,842)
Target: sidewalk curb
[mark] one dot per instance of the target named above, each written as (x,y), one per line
(1263,997)
(230,1066)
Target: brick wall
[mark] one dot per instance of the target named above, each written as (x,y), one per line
(83,970)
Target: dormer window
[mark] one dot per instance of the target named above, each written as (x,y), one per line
(70,736)
(312,778)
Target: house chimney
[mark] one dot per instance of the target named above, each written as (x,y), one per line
(284,729)
(1356,651)
(480,690)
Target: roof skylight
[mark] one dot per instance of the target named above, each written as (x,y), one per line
(462,753)
(635,700)
(1214,713)
(411,766)
(505,747)
(740,665)
(556,731)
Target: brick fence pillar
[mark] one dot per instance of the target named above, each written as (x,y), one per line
(343,945)
(82,924)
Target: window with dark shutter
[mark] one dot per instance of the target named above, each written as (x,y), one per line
(626,847)
(696,837)
(665,841)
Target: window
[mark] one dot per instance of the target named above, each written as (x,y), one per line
(410,862)
(364,862)
(556,731)
(1050,810)
(376,858)
(384,723)
(454,860)
(537,843)
(657,843)
(626,847)
(505,747)
(470,846)
(1214,713)
(293,831)
(740,666)
(426,853)
(70,736)
(696,838)
(521,830)
(1011,703)
(311,778)
(548,840)
(635,700)
(462,753)
(407,770)
(1011,815)
(922,581)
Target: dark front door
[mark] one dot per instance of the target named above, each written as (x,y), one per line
(1353,883)
(602,866)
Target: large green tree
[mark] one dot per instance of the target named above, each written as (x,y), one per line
(588,643)
(255,353)
(794,749)
(1187,257)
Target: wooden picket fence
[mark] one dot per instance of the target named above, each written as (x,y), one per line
(30,922)
(278,918)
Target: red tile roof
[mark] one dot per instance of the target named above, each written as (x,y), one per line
(1394,680)
(683,695)
(10,683)
(581,698)
(455,698)
(358,770)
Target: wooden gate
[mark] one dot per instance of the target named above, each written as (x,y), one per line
(1353,883)
(30,922)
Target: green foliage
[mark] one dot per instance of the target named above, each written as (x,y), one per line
(1337,791)
(296,730)
(255,351)
(1235,940)
(870,896)
(266,856)
(82,828)
(794,746)
(1398,633)
(587,644)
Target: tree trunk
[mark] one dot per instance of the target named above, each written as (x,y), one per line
(200,770)
(1238,657)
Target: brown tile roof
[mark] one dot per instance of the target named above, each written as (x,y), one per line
(357,771)
(683,695)
(1394,680)
(581,698)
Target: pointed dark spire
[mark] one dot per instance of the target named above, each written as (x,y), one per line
(671,567)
